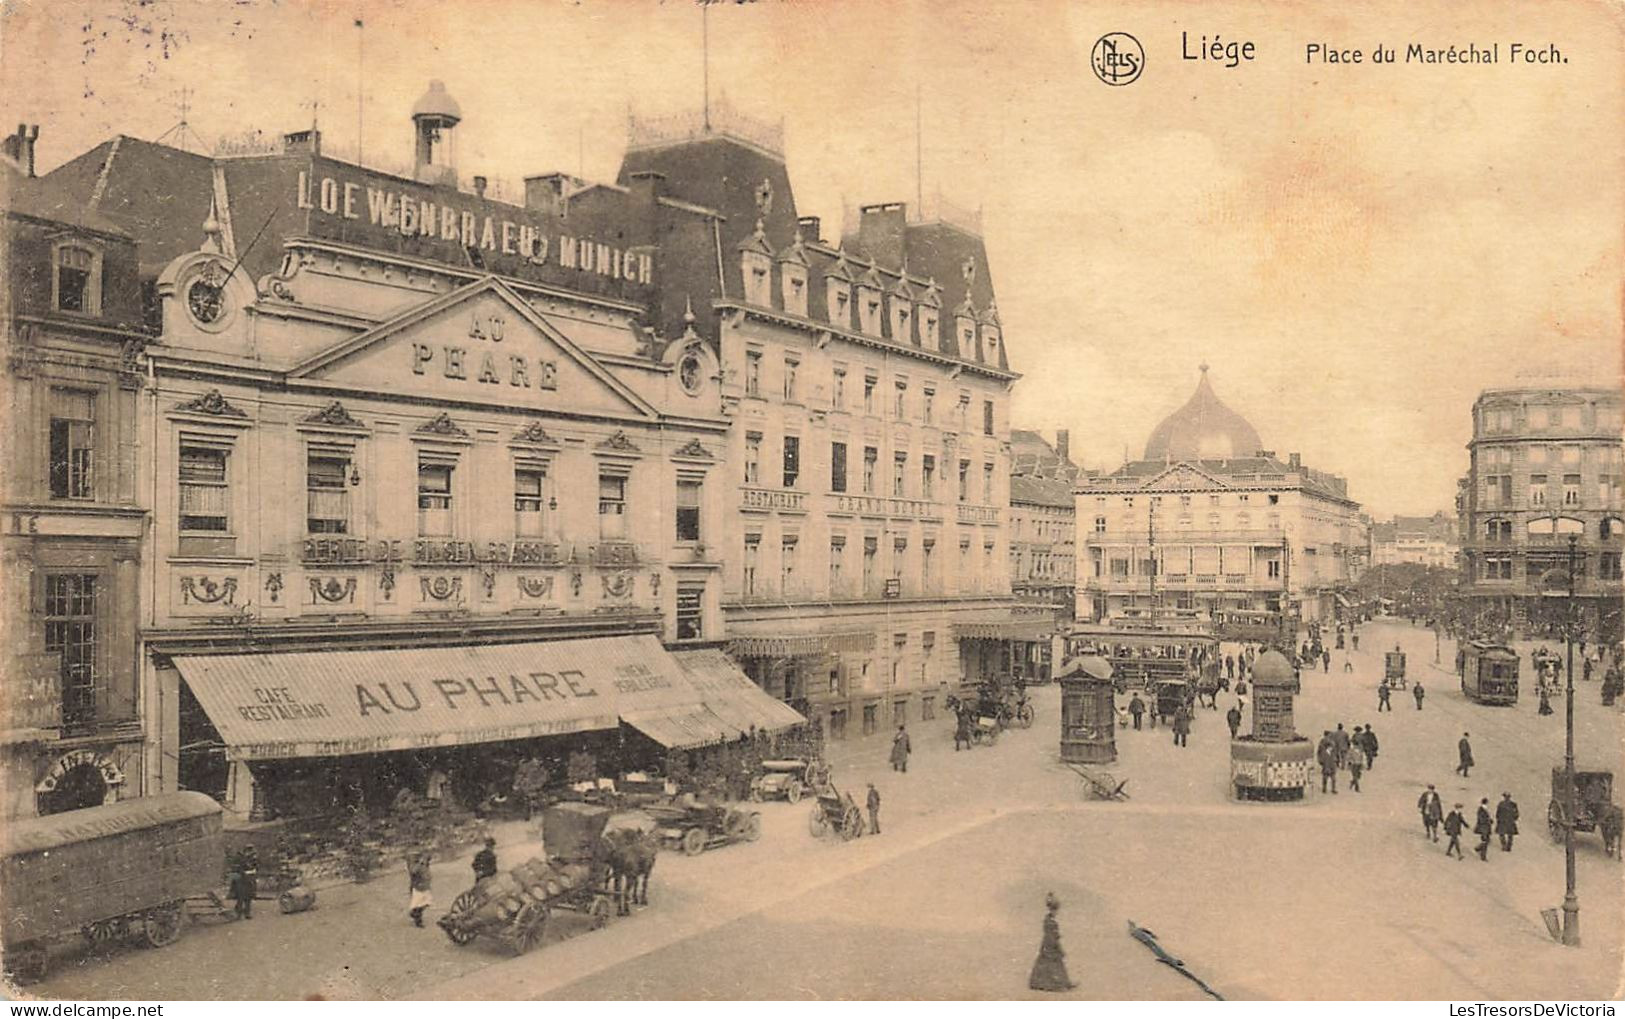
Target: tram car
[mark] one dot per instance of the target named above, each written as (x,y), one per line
(1489,673)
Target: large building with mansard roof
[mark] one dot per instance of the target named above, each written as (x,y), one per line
(610,430)
(1208,522)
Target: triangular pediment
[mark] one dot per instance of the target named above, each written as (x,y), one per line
(479,343)
(1185,477)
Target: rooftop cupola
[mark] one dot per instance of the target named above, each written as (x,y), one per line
(434,119)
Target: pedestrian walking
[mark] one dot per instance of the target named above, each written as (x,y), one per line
(873,803)
(1383,693)
(1464,756)
(419,895)
(1136,708)
(900,750)
(485,861)
(962,724)
(1587,671)
(244,881)
(1369,746)
(1340,744)
(1545,699)
(1233,719)
(1049,971)
(1326,754)
(1418,693)
(1354,638)
(1454,825)
(1230,666)
(1182,726)
(1355,768)
(1325,660)
(1506,821)
(1432,812)
(1483,828)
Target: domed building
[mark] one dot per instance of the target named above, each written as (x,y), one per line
(1211,526)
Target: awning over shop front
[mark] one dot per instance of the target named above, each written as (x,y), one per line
(333,703)
(681,728)
(802,645)
(1006,629)
(731,696)
(1343,600)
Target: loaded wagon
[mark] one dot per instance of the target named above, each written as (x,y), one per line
(124,870)
(695,827)
(570,874)
(1594,807)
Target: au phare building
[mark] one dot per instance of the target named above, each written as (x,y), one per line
(1208,521)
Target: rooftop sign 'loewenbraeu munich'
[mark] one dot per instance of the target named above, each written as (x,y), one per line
(385,205)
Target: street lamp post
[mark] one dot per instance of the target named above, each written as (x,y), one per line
(1571,903)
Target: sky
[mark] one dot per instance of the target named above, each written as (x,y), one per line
(1356,250)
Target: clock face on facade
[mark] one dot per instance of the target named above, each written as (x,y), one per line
(689,372)
(205,300)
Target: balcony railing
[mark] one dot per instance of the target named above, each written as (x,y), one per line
(969,514)
(1189,536)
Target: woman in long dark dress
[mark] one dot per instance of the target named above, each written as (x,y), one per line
(1049,971)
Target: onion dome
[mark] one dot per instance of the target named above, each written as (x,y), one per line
(437,103)
(1203,429)
(1272,669)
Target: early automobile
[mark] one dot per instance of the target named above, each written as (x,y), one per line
(696,826)
(121,870)
(788,780)
(1489,672)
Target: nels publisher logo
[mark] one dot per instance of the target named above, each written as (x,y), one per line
(1117,58)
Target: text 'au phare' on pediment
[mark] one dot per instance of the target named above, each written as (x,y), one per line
(481,342)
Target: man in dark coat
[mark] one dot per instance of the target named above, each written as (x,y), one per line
(1182,726)
(485,861)
(1325,660)
(1483,828)
(1340,744)
(1355,768)
(1368,746)
(1326,754)
(900,750)
(1230,666)
(1454,825)
(1506,821)
(245,881)
(1432,812)
(1136,708)
(1233,718)
(1382,698)
(962,724)
(1464,756)
(1418,693)
(873,803)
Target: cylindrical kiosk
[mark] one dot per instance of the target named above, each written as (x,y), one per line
(1088,711)
(1272,762)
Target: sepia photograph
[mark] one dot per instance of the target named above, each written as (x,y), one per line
(812,500)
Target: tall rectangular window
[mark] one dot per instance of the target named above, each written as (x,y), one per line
(203,492)
(871,550)
(962,411)
(1537,489)
(899,553)
(70,631)
(927,401)
(928,476)
(837,389)
(837,467)
(753,549)
(690,611)
(792,461)
(753,373)
(791,368)
(870,456)
(987,417)
(688,511)
(964,481)
(1571,490)
(988,498)
(787,563)
(434,500)
(73,443)
(869,384)
(837,554)
(611,507)
(899,472)
(327,499)
(900,401)
(753,458)
(928,565)
(75,278)
(528,509)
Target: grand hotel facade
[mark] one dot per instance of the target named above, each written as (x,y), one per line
(420,473)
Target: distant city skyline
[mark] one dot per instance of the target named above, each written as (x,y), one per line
(1356,257)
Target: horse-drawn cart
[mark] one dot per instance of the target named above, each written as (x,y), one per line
(514,907)
(1594,808)
(788,780)
(836,812)
(696,827)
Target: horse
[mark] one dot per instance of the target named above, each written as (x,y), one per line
(630,855)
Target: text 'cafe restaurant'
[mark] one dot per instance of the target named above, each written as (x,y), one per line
(309,732)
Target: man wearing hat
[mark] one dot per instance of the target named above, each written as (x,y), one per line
(1454,825)
(485,861)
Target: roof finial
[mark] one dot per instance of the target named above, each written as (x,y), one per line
(1203,366)
(688,310)
(212,234)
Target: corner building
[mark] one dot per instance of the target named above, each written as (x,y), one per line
(866,385)
(1544,464)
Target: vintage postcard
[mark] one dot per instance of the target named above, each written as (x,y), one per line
(812,500)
